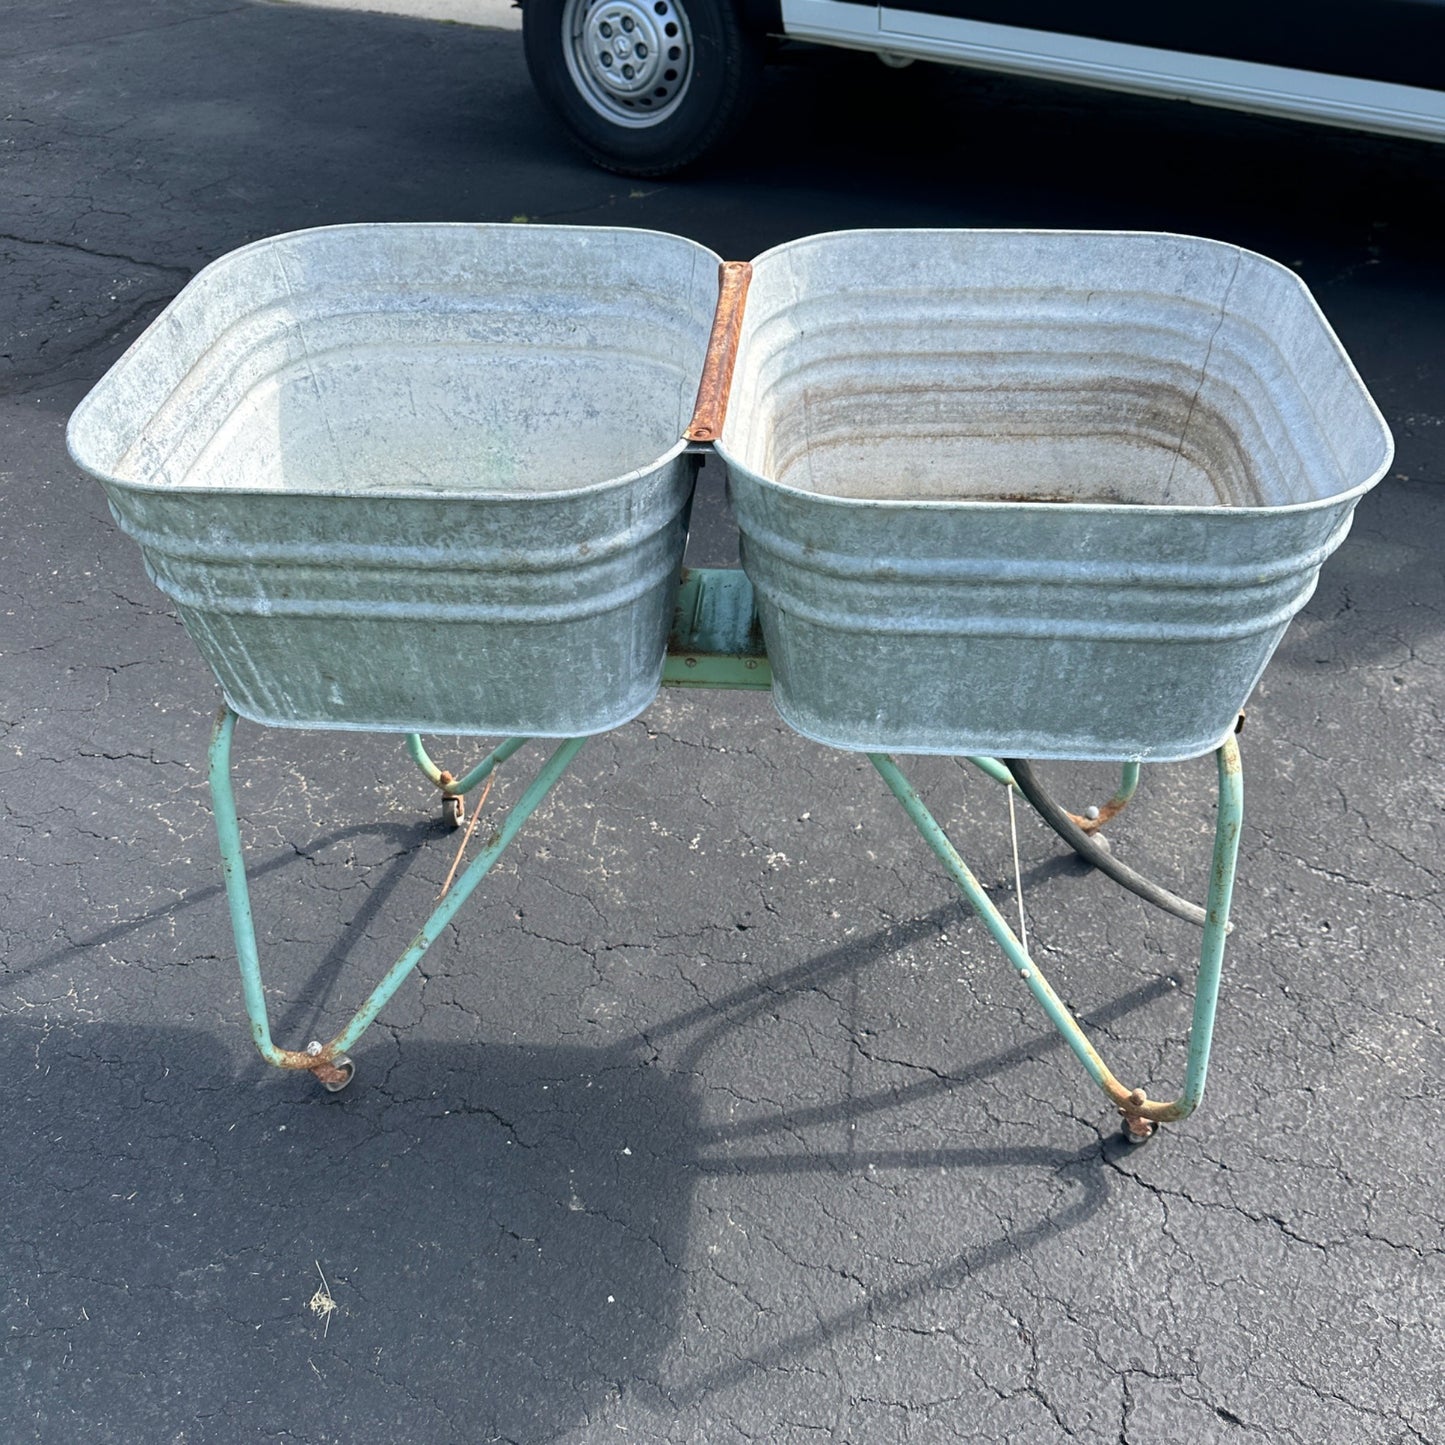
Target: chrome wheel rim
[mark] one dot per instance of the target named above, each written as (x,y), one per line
(631,60)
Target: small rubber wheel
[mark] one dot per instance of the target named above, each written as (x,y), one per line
(454,812)
(348,1072)
(644,87)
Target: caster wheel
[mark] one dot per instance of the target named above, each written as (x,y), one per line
(454,812)
(676,86)
(1103,842)
(345,1071)
(1138,1131)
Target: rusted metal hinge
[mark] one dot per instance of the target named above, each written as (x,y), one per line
(722,352)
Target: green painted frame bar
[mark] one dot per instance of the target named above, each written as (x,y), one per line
(328,1061)
(716,640)
(992,768)
(1140,1112)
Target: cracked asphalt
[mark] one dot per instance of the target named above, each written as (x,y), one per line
(715,1117)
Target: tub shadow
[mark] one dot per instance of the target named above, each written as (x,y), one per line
(504,1233)
(406,839)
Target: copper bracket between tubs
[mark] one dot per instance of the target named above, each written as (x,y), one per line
(722,352)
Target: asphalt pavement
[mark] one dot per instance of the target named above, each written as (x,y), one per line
(715,1117)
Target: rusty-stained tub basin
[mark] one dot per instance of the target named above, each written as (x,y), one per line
(1035,494)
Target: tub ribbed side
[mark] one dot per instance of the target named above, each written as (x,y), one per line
(1024,631)
(478,616)
(1039,494)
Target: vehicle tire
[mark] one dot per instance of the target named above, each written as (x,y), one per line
(645,87)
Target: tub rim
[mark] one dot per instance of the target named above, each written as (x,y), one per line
(897,504)
(95,396)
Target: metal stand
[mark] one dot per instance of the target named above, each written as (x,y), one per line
(329,1062)
(716,643)
(1141,1113)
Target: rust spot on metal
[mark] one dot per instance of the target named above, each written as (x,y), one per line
(1110,1085)
(1229,760)
(1059,497)
(1139,1111)
(722,351)
(327,1072)
(1138,1126)
(1111,809)
(1102,814)
(304,1059)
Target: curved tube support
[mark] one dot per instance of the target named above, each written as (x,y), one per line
(1091,850)
(1128,783)
(456,787)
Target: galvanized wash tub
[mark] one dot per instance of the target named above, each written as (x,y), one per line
(1035,494)
(418,477)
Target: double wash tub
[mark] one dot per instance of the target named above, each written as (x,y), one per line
(1032,494)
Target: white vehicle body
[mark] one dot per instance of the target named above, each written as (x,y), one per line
(650,86)
(1360,104)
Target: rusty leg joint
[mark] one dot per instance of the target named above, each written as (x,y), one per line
(1085,824)
(1138,1127)
(1143,1115)
(333,1070)
(313,1057)
(454,803)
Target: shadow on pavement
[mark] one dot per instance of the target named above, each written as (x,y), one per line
(529,1208)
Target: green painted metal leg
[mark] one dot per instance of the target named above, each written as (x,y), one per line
(422,758)
(328,1062)
(1140,1112)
